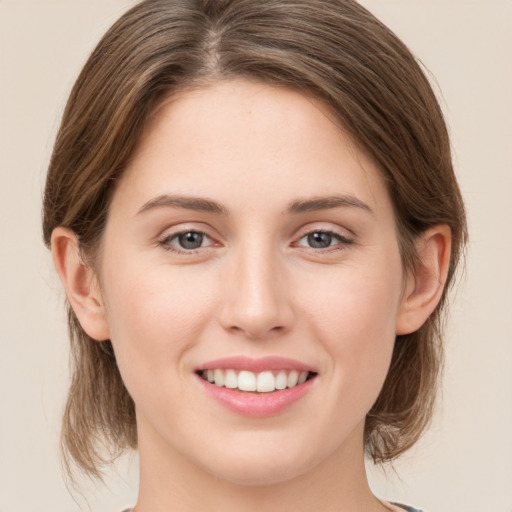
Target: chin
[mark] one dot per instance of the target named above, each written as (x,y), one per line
(259,475)
(260,467)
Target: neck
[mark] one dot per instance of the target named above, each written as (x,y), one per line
(171,482)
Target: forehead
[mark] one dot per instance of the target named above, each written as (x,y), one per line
(240,139)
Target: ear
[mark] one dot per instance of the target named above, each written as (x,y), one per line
(424,287)
(80,283)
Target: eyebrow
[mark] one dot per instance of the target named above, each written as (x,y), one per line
(328,203)
(299,206)
(187,202)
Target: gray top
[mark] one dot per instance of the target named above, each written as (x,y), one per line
(405,507)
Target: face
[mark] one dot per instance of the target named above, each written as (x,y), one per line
(252,283)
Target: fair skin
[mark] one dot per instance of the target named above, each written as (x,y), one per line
(261,273)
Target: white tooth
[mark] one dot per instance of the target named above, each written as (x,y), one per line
(281,380)
(302,377)
(246,381)
(231,380)
(293,377)
(265,382)
(219,377)
(210,376)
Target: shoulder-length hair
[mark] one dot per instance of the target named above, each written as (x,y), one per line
(334,50)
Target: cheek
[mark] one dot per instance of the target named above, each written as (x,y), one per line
(354,318)
(358,307)
(154,315)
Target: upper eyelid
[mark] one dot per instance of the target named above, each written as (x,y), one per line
(172,231)
(341,232)
(165,236)
(303,232)
(328,231)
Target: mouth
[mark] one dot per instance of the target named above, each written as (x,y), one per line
(261,387)
(267,381)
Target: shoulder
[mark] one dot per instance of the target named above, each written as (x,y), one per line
(407,508)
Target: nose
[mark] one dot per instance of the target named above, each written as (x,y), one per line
(256,302)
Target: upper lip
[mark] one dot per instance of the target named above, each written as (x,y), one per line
(256,365)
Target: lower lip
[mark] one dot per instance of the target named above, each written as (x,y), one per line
(257,404)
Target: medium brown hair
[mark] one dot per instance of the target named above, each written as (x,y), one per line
(334,50)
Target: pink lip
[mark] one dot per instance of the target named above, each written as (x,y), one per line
(256,404)
(253,403)
(256,365)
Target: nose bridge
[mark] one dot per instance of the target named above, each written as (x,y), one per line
(256,301)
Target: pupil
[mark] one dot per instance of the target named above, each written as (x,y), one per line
(319,240)
(191,240)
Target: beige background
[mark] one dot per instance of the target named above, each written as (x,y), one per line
(465,462)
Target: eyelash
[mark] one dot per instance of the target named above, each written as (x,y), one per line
(343,241)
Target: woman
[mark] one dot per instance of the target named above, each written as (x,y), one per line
(253,211)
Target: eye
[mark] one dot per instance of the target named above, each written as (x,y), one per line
(323,239)
(186,241)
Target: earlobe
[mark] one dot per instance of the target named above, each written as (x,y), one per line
(424,287)
(80,283)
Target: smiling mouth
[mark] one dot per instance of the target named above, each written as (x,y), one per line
(262,382)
